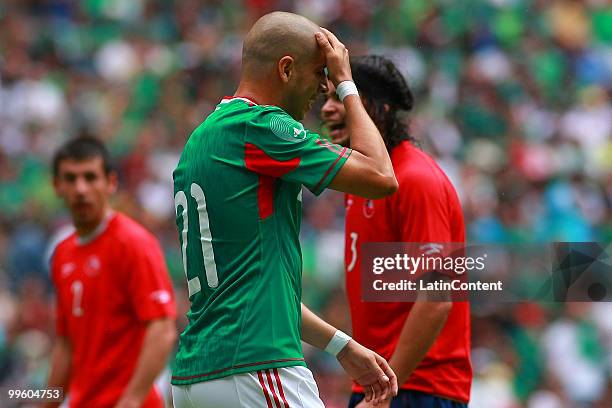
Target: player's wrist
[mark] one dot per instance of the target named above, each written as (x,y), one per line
(337,80)
(337,344)
(346,88)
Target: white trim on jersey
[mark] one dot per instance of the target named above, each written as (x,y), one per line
(233,98)
(99,230)
(287,387)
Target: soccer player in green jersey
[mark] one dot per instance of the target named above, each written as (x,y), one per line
(238,192)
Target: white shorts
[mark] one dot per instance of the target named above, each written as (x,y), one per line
(287,387)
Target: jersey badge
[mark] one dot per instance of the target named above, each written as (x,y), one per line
(299,133)
(67,269)
(348,203)
(160,296)
(286,129)
(368,208)
(92,266)
(431,248)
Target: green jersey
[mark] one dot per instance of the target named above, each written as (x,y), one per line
(238,200)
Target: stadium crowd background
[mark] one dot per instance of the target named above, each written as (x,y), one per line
(513,99)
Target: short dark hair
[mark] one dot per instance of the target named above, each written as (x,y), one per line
(82,148)
(380,83)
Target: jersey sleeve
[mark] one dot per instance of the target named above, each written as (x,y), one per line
(149,284)
(276,145)
(426,214)
(421,212)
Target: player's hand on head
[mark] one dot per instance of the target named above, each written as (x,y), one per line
(370,371)
(336,55)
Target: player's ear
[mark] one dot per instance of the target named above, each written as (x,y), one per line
(57,180)
(113,182)
(56,185)
(286,65)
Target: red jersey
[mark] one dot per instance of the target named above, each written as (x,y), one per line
(108,288)
(424,209)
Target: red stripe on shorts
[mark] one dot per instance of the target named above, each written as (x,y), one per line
(271,384)
(280,388)
(265,391)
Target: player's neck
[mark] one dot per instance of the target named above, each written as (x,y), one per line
(258,93)
(86,233)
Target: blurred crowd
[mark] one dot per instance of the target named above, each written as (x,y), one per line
(514,100)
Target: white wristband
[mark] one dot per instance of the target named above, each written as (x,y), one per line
(346,88)
(337,343)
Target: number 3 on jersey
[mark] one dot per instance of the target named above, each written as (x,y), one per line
(180,200)
(354,237)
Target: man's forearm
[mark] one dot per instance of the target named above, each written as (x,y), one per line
(315,331)
(59,374)
(424,323)
(159,340)
(365,137)
(365,367)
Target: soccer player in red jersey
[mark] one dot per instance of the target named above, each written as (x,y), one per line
(427,343)
(115,305)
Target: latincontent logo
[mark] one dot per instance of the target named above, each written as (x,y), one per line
(434,272)
(417,268)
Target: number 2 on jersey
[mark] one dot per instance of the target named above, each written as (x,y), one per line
(180,200)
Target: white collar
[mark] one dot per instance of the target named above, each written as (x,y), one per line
(227,99)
